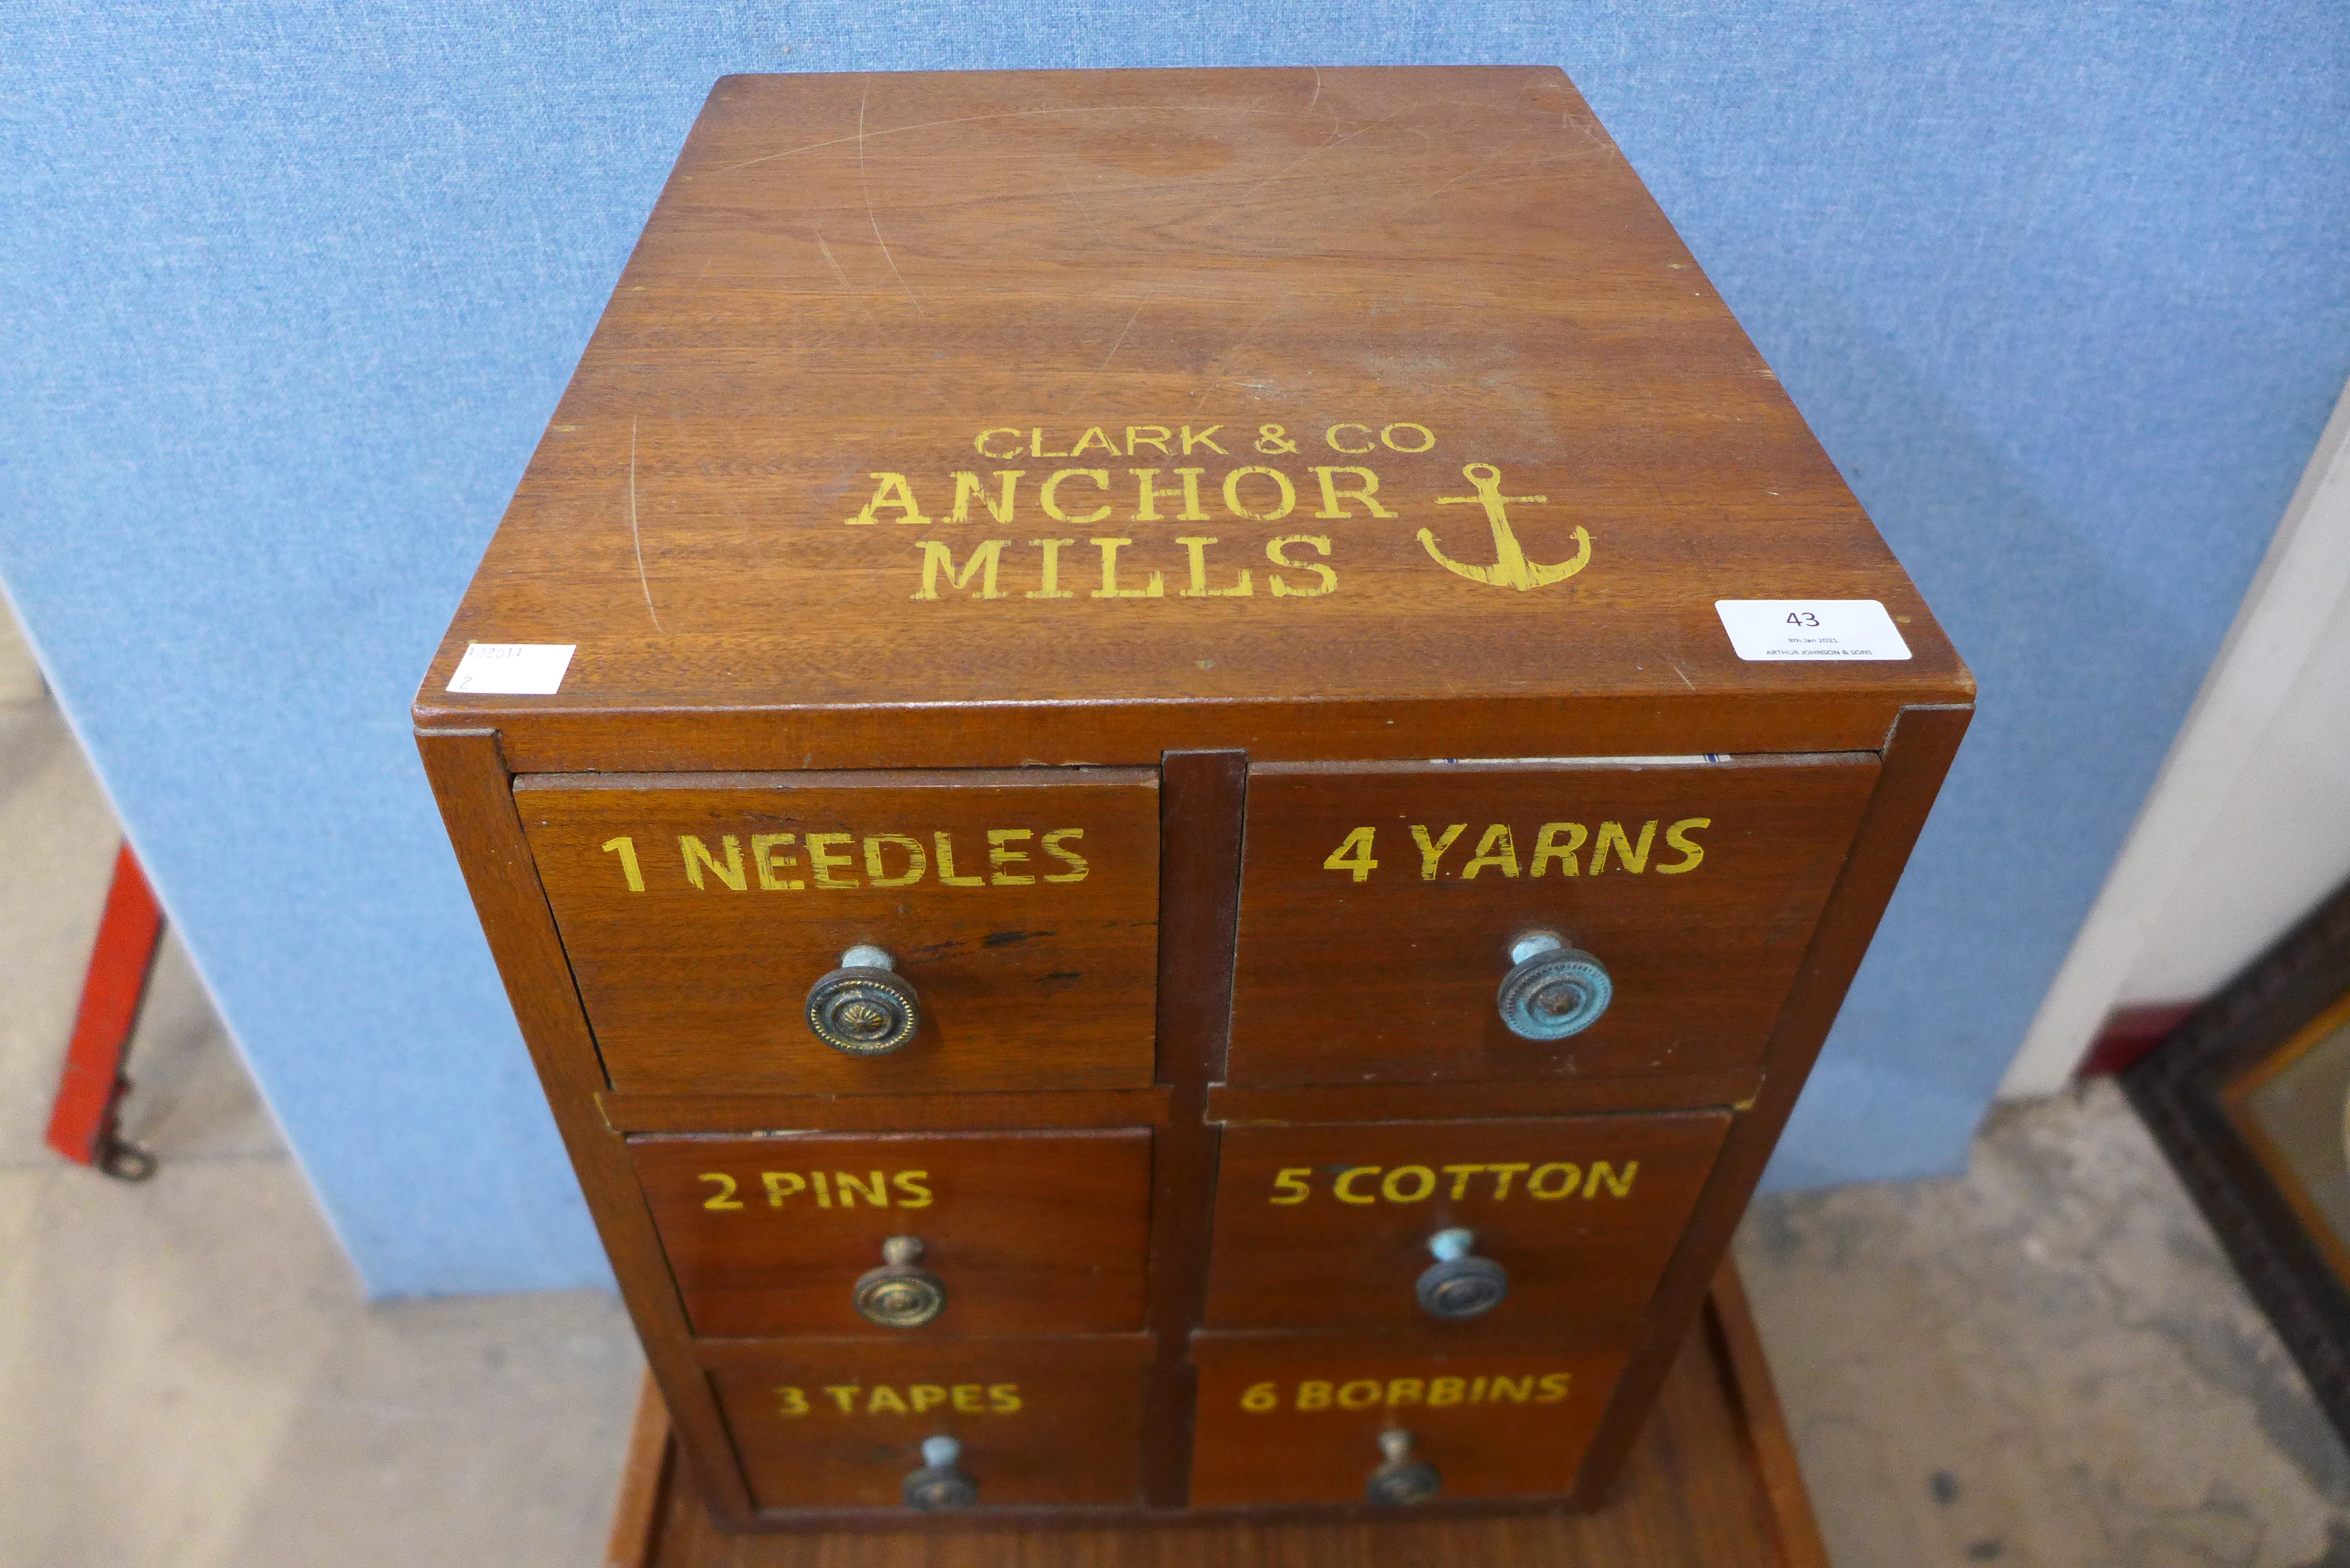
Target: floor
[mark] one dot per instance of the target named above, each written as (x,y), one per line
(2047,1363)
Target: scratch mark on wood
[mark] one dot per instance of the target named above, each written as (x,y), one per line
(636,540)
(1247,335)
(870,216)
(1317,87)
(1287,169)
(1501,161)
(1683,673)
(827,249)
(1121,343)
(1092,223)
(903,130)
(1114,348)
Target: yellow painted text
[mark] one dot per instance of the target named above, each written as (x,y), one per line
(1401,1392)
(895,1399)
(1555,848)
(1363,1185)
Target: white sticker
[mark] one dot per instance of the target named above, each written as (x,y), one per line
(513,669)
(1810,629)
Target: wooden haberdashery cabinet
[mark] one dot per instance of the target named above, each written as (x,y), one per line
(1174,771)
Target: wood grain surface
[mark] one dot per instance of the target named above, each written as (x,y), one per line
(1029,1233)
(1316,289)
(1378,903)
(839,1423)
(1496,1098)
(1022,906)
(883,1113)
(1328,1226)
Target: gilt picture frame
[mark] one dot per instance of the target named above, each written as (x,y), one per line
(2249,1099)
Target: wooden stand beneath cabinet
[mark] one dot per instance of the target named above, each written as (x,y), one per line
(1174,772)
(1713,1483)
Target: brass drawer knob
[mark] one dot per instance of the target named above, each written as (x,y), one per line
(938,1484)
(1401,1477)
(864,1007)
(1553,990)
(900,1294)
(1458,1283)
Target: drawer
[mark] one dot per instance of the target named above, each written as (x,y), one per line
(1380,904)
(1331,1226)
(1021,907)
(841,1424)
(1019,1233)
(1287,1419)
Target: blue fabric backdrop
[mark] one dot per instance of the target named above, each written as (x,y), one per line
(290,290)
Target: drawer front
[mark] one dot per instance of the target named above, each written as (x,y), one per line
(1379,905)
(1331,1226)
(1297,1421)
(697,912)
(832,1424)
(1021,1232)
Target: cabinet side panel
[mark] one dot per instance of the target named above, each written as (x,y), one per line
(476,793)
(1917,755)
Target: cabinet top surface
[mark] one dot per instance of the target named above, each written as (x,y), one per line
(1168,387)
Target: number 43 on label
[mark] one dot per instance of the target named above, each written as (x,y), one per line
(1810,629)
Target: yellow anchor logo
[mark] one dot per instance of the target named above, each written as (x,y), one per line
(1510,568)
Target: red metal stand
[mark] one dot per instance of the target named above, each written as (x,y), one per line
(90,1095)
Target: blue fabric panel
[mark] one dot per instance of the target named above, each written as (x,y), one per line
(291,291)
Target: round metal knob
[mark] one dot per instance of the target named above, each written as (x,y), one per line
(1555,990)
(938,1484)
(864,1007)
(898,1295)
(1401,1478)
(1459,1284)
